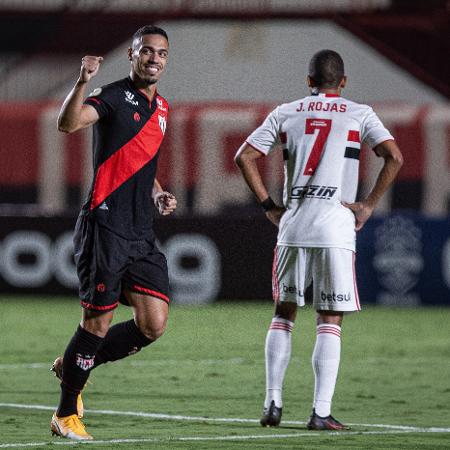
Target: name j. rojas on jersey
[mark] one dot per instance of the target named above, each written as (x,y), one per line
(313,191)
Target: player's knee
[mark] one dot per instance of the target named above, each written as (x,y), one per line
(96,323)
(153,330)
(287,311)
(97,328)
(330,317)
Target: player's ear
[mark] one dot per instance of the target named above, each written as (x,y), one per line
(343,82)
(309,82)
(130,53)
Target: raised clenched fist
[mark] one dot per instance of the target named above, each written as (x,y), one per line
(89,67)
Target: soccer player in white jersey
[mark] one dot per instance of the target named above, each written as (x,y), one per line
(320,136)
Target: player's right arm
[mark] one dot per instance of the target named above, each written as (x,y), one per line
(245,159)
(74,115)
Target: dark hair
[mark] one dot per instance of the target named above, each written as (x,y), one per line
(149,29)
(326,69)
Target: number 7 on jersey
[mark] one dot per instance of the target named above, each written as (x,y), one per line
(324,127)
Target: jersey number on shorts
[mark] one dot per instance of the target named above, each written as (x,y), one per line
(324,127)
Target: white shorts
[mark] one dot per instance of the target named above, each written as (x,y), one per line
(331,270)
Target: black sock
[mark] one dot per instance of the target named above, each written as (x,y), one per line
(78,361)
(122,340)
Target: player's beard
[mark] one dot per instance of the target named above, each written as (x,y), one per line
(145,77)
(149,81)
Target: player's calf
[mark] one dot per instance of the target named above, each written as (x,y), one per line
(57,368)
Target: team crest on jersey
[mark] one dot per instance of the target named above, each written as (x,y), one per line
(95,92)
(162,123)
(159,102)
(129,97)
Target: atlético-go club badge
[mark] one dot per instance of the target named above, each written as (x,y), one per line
(95,92)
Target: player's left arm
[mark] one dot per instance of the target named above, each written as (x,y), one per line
(164,201)
(393,161)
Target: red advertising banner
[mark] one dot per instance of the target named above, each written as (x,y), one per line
(53,170)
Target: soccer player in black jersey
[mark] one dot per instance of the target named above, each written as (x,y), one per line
(115,252)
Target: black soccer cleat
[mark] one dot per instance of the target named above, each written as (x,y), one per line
(271,416)
(316,422)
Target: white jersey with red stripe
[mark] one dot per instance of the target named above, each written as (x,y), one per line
(321,139)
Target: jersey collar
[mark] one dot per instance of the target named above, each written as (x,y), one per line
(324,94)
(151,103)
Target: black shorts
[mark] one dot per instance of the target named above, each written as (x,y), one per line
(107,264)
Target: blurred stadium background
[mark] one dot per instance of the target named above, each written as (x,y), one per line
(231,62)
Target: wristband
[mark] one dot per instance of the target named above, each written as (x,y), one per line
(268,204)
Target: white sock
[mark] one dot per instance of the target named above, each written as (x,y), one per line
(278,354)
(325,362)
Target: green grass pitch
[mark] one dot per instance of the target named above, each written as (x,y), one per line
(393,386)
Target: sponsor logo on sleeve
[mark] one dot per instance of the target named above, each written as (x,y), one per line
(95,92)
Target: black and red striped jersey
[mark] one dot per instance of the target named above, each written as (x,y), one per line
(126,144)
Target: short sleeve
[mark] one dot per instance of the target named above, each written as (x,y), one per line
(103,100)
(266,137)
(373,132)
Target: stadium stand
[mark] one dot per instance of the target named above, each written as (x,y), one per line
(414,35)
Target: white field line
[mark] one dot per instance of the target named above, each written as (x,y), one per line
(24,366)
(170,362)
(203,362)
(402,428)
(205,438)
